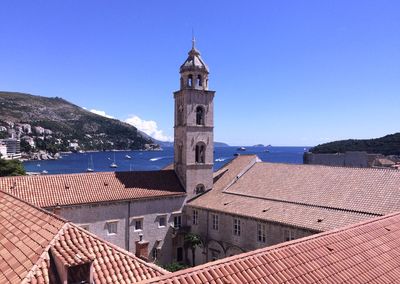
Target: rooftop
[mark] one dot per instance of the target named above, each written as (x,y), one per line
(318,198)
(30,237)
(72,189)
(367,252)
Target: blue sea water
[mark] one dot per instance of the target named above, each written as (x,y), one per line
(154,160)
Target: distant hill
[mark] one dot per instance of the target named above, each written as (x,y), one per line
(387,145)
(68,122)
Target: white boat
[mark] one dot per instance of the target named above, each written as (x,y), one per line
(128,157)
(90,167)
(44,172)
(241,149)
(114,164)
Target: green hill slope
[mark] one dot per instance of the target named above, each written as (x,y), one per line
(69,122)
(387,145)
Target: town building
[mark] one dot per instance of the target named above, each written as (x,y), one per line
(366,252)
(39,247)
(119,207)
(13,147)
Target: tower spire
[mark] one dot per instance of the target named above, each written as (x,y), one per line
(193,40)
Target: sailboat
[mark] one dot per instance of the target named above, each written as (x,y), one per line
(90,167)
(114,164)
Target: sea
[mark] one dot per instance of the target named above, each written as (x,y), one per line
(154,160)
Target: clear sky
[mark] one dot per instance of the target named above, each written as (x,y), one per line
(285,72)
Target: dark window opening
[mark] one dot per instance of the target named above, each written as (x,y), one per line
(200,115)
(200,188)
(200,153)
(190,80)
(199,81)
(179,254)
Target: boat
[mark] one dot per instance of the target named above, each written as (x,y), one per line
(44,172)
(266,151)
(128,157)
(90,167)
(114,164)
(241,149)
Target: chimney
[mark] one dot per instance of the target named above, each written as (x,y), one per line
(57,210)
(142,248)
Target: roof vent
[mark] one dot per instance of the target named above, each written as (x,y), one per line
(387,229)
(329,248)
(105,183)
(265,210)
(320,220)
(66,186)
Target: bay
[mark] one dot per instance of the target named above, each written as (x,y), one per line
(154,160)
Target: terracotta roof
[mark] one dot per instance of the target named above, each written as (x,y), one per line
(318,198)
(364,253)
(70,189)
(29,235)
(358,189)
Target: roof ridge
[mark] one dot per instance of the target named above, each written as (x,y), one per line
(269,248)
(80,174)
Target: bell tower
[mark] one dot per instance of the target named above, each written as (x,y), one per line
(193,127)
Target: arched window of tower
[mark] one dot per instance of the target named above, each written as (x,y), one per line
(200,153)
(190,80)
(180,115)
(200,113)
(200,188)
(199,82)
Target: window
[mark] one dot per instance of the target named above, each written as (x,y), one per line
(236,227)
(200,115)
(180,115)
(162,221)
(190,80)
(200,188)
(138,223)
(261,233)
(195,217)
(288,235)
(154,253)
(112,227)
(215,221)
(199,82)
(200,153)
(177,221)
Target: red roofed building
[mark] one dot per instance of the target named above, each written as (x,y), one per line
(39,247)
(368,252)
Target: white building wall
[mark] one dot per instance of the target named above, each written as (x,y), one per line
(96,216)
(224,243)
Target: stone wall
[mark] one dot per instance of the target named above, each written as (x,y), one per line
(223,243)
(95,217)
(348,159)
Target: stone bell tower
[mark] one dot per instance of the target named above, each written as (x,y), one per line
(194,123)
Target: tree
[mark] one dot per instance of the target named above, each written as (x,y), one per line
(11,168)
(192,241)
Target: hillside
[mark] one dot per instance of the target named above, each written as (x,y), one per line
(67,123)
(387,145)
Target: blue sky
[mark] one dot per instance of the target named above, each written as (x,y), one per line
(284,72)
